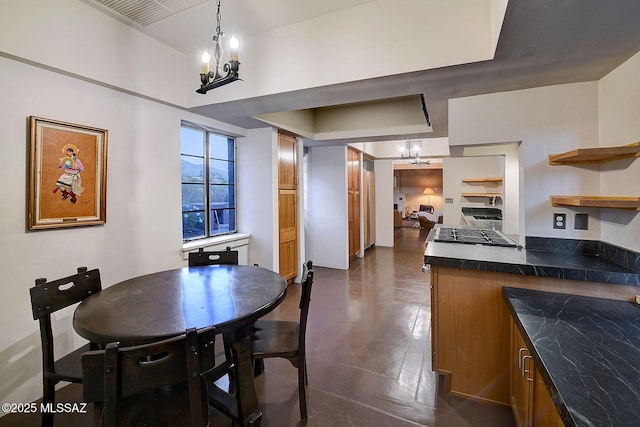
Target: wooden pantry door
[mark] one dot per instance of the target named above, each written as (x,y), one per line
(353,194)
(287,206)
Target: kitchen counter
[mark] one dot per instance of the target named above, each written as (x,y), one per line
(588,261)
(587,351)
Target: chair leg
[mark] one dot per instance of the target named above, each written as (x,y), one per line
(230,373)
(49,390)
(302,388)
(258,367)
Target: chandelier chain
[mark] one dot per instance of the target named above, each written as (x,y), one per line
(218,29)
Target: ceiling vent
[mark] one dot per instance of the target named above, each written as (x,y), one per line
(143,12)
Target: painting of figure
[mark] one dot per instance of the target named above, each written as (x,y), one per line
(70,182)
(67,176)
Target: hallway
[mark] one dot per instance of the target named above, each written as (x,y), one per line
(369,350)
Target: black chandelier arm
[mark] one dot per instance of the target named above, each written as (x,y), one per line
(209,80)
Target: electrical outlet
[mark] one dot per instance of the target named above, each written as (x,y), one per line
(559,220)
(448,200)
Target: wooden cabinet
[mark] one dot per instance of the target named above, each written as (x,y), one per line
(590,156)
(353,198)
(530,399)
(470,324)
(287,206)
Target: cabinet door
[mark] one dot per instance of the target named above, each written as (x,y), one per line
(353,194)
(354,223)
(353,169)
(530,399)
(287,207)
(288,234)
(286,162)
(521,387)
(545,413)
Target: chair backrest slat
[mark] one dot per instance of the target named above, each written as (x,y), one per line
(49,297)
(202,257)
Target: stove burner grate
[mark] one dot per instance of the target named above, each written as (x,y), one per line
(472,236)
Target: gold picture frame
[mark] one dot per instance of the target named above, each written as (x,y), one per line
(67,176)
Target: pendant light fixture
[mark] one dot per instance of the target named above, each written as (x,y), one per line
(220,73)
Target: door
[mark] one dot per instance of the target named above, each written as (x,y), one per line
(353,190)
(287,206)
(368,206)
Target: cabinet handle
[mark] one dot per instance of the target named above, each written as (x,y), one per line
(520,357)
(526,371)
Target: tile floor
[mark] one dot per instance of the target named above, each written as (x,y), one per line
(369,353)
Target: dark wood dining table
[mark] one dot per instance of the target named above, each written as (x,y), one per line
(161,305)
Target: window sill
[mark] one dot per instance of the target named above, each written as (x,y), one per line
(240,239)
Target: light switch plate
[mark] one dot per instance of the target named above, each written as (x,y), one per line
(581,222)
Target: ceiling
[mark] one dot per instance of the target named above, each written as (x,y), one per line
(542,43)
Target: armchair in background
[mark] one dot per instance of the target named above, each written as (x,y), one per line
(428,218)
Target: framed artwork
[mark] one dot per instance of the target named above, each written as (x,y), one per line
(67,176)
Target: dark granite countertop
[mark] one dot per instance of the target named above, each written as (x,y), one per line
(587,351)
(588,261)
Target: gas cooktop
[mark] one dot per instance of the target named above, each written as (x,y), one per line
(473,236)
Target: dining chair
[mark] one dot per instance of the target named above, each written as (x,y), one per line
(156,384)
(229,257)
(203,257)
(286,339)
(46,299)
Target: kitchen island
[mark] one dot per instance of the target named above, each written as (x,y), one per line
(587,351)
(471,322)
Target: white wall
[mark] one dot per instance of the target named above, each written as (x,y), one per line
(620,125)
(143,229)
(77,39)
(384,202)
(547,120)
(327,225)
(257,180)
(455,170)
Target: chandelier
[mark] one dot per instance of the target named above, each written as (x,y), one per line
(411,150)
(220,74)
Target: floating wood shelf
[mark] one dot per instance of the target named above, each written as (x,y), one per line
(495,180)
(481,194)
(595,155)
(613,202)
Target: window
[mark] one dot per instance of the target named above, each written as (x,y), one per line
(207,162)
